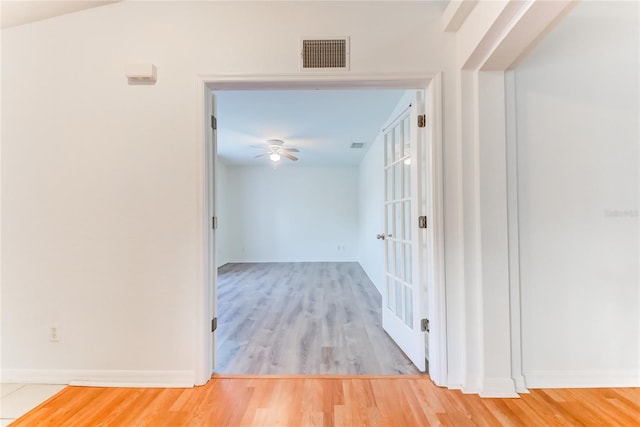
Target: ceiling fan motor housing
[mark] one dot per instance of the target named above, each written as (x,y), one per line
(275,142)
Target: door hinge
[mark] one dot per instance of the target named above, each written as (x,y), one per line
(214,324)
(422,120)
(214,122)
(214,222)
(422,221)
(424,325)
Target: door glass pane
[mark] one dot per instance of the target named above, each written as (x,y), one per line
(397,170)
(386,187)
(392,146)
(389,293)
(399,263)
(389,188)
(397,136)
(399,299)
(399,223)
(389,149)
(389,219)
(408,306)
(406,135)
(406,172)
(407,264)
(407,220)
(390,255)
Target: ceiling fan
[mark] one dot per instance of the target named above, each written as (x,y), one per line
(275,150)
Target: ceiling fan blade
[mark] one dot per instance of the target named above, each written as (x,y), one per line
(288,156)
(261,155)
(291,150)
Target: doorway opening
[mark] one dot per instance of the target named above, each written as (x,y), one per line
(298,296)
(430,87)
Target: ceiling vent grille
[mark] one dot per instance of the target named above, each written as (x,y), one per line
(325,54)
(357,145)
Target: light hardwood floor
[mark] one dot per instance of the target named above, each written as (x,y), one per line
(302,318)
(403,401)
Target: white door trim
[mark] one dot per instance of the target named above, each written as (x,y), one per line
(436,301)
(203,344)
(515,307)
(431,83)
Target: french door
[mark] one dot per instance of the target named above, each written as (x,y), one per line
(403,308)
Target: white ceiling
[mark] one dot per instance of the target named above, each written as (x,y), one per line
(322,124)
(18,12)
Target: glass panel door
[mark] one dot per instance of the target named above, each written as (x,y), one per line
(402,306)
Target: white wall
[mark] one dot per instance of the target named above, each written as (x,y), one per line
(292,213)
(577,139)
(102,181)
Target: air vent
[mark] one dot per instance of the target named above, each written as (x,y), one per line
(357,145)
(325,54)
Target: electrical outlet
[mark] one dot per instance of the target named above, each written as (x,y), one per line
(54,336)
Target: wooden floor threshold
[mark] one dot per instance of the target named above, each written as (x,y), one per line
(320,377)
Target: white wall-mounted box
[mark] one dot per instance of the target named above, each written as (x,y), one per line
(141,73)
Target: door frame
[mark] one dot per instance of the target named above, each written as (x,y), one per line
(204,290)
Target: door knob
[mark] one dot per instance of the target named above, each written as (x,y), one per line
(383,236)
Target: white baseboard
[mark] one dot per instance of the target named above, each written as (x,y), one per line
(499,387)
(379,289)
(581,379)
(471,385)
(152,379)
(520,384)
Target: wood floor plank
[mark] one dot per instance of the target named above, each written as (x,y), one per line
(303,318)
(330,401)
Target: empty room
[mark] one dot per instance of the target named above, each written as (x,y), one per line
(171,253)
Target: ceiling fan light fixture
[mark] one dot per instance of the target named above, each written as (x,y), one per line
(275,151)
